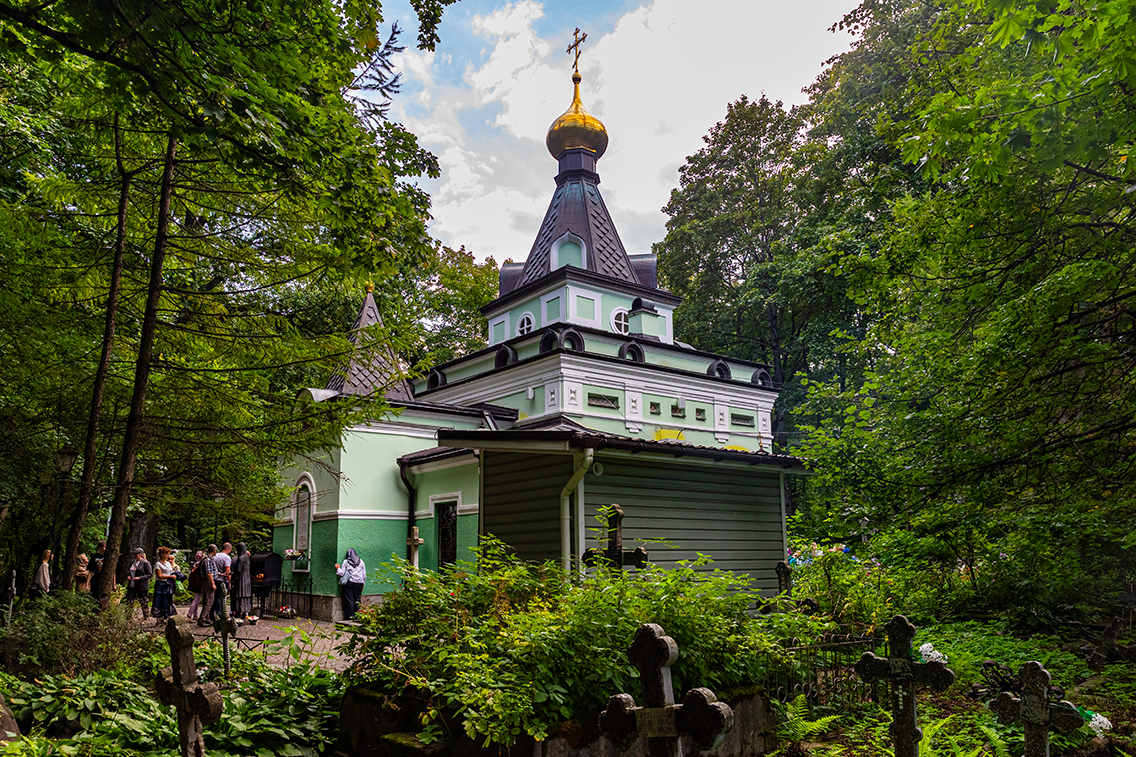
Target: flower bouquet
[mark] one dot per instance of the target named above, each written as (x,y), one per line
(294,554)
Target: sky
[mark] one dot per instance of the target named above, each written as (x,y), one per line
(659,74)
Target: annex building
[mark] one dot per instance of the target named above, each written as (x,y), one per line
(583,399)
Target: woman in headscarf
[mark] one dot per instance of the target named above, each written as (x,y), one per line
(242,582)
(352,574)
(82,575)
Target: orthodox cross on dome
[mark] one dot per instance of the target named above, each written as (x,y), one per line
(575,46)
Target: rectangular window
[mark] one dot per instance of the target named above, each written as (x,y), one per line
(603,400)
(678,412)
(586,308)
(447,533)
(741,420)
(700,414)
(656,408)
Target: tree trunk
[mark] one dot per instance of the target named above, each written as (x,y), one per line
(133,431)
(90,447)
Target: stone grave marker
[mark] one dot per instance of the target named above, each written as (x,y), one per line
(614,554)
(1035,709)
(901,670)
(224,626)
(198,704)
(661,721)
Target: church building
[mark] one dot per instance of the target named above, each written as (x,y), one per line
(583,399)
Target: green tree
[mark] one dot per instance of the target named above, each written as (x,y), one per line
(756,276)
(998,417)
(251,164)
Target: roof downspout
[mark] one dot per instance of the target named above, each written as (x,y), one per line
(566,510)
(411,499)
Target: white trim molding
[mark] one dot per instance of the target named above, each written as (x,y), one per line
(504,320)
(562,295)
(360,515)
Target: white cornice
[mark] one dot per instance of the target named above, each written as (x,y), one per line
(629,376)
(359,515)
(450,462)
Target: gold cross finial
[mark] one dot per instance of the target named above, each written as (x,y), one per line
(575,46)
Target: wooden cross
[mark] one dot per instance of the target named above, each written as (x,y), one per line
(663,722)
(198,704)
(903,673)
(414,542)
(576,46)
(225,626)
(1035,710)
(614,554)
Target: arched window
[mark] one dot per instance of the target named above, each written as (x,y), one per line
(505,356)
(761,378)
(525,324)
(719,369)
(620,321)
(302,519)
(435,379)
(633,352)
(572,340)
(549,342)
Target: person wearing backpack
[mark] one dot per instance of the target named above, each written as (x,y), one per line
(195,584)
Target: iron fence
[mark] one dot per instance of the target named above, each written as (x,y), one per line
(291,598)
(823,670)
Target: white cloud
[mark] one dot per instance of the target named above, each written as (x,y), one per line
(659,81)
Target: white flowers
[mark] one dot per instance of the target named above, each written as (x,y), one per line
(928,653)
(1099,724)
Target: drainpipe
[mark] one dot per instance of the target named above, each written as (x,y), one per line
(566,511)
(411,496)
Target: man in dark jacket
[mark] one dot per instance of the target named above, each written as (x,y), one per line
(138,580)
(95,566)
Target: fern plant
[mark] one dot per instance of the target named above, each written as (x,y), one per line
(794,726)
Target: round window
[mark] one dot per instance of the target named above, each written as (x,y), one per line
(525,324)
(620,321)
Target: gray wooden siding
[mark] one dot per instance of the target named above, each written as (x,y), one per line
(733,515)
(521,501)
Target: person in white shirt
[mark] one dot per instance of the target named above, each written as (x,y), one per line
(352,575)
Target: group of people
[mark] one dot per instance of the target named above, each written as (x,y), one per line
(213,569)
(214,574)
(218,573)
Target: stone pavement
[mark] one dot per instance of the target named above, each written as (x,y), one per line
(325,636)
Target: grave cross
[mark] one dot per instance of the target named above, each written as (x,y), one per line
(224,625)
(1035,710)
(903,672)
(663,722)
(784,578)
(198,704)
(414,541)
(614,554)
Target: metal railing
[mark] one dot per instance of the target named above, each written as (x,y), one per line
(823,670)
(295,594)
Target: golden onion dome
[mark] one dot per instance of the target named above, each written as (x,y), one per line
(576,128)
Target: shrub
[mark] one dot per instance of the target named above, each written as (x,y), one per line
(65,633)
(507,649)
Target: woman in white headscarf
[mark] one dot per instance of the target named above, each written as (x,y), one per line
(352,575)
